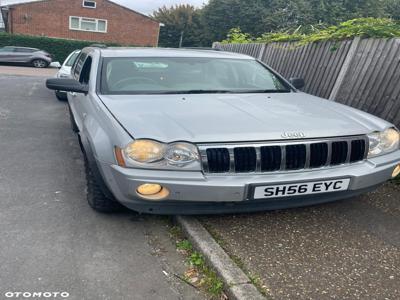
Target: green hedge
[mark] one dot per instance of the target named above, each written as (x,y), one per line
(363,27)
(59,48)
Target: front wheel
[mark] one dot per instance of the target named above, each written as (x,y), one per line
(40,63)
(95,196)
(61,96)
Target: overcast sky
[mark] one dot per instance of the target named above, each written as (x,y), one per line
(143,6)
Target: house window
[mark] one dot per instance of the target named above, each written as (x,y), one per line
(89,4)
(87,24)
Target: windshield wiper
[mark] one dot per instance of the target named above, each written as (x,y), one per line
(223,91)
(198,92)
(264,91)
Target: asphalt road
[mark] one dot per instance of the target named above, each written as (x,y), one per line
(50,240)
(6,69)
(343,250)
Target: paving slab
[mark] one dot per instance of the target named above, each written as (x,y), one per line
(344,250)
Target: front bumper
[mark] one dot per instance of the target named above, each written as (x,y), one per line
(195,193)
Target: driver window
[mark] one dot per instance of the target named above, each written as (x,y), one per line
(85,73)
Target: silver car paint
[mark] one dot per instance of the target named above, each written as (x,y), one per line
(231,118)
(65,71)
(108,121)
(23,57)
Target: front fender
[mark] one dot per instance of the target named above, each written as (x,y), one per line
(91,161)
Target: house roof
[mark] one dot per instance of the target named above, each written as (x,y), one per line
(12,4)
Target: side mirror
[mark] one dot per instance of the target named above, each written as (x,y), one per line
(66,85)
(298,83)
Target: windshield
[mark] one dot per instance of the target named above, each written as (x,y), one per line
(172,75)
(72,59)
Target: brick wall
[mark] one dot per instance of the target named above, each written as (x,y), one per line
(51,18)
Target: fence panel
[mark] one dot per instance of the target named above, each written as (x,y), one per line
(372,82)
(319,64)
(362,73)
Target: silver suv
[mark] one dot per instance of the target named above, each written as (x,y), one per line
(193,131)
(23,55)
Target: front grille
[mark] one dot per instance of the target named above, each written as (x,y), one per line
(288,156)
(271,158)
(245,159)
(220,160)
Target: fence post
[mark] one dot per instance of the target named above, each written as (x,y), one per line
(345,68)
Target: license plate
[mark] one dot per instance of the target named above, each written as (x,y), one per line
(297,189)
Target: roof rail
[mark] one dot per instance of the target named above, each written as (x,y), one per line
(98,46)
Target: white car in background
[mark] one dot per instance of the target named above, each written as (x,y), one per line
(65,72)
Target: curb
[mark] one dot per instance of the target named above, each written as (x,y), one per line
(238,285)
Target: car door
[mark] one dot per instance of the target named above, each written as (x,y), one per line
(22,55)
(80,72)
(6,54)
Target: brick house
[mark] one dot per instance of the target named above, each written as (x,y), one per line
(92,20)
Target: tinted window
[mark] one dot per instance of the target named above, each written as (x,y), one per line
(25,50)
(182,74)
(7,49)
(78,65)
(85,73)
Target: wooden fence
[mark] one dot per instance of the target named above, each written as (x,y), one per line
(363,73)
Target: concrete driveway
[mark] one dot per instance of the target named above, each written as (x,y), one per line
(50,240)
(343,250)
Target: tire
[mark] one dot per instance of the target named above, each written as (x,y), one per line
(40,63)
(97,200)
(61,96)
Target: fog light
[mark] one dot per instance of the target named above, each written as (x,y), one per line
(396,171)
(151,191)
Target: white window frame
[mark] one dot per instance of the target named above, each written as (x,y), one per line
(87,18)
(92,7)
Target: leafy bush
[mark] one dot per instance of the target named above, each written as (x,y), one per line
(363,27)
(59,48)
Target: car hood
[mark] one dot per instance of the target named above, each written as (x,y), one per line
(205,118)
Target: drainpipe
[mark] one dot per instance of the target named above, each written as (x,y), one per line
(6,14)
(159,30)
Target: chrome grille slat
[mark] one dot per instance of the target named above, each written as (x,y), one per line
(349,144)
(258,159)
(329,156)
(308,156)
(231,161)
(282,156)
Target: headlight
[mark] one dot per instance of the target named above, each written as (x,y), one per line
(145,151)
(156,153)
(181,153)
(383,142)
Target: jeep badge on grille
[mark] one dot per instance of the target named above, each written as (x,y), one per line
(291,135)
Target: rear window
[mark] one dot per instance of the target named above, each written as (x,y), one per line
(7,49)
(169,75)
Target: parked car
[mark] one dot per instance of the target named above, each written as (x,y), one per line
(65,72)
(192,131)
(23,55)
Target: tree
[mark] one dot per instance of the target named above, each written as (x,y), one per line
(392,9)
(180,21)
(259,16)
